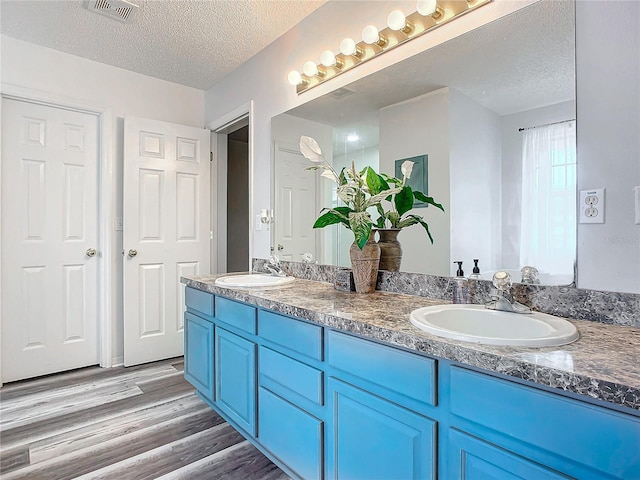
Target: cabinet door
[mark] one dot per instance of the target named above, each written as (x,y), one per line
(198,354)
(235,375)
(473,459)
(373,439)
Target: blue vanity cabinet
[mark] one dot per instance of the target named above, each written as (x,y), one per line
(236,362)
(199,341)
(198,356)
(380,399)
(235,378)
(291,411)
(372,438)
(500,425)
(324,404)
(291,434)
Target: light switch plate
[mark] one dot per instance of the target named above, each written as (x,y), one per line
(591,206)
(119,225)
(258,222)
(636,191)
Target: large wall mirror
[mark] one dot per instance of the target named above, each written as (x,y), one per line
(463,105)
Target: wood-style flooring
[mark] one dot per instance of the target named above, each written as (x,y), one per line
(142,422)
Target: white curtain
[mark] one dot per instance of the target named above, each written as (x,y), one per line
(548,231)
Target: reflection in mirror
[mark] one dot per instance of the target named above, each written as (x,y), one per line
(469,104)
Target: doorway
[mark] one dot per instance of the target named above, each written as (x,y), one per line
(232,202)
(238,200)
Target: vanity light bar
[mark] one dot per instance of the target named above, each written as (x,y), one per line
(430,14)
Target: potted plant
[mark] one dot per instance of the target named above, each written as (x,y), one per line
(396,217)
(359,191)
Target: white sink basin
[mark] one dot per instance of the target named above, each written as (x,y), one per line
(253,280)
(477,324)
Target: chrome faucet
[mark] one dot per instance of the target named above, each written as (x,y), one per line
(501,296)
(530,274)
(273,267)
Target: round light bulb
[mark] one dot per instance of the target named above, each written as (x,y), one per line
(310,69)
(426,7)
(327,58)
(353,137)
(294,77)
(396,20)
(370,34)
(348,46)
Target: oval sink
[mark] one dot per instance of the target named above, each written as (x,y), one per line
(477,324)
(253,280)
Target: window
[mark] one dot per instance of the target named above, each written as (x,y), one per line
(548,233)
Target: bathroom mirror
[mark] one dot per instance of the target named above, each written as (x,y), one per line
(462,104)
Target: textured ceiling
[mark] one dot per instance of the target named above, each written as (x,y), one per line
(522,61)
(191,42)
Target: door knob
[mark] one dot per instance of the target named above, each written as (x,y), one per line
(91,252)
(280,247)
(132,252)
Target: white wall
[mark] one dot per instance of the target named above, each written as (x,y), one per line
(608,140)
(475,164)
(363,156)
(263,78)
(512,172)
(416,127)
(462,141)
(125,93)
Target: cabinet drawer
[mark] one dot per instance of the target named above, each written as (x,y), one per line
(288,377)
(293,334)
(598,438)
(236,314)
(405,373)
(199,301)
(291,434)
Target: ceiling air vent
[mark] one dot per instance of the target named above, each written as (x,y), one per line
(120,10)
(341,93)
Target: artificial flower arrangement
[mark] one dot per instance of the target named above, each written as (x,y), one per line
(357,190)
(362,190)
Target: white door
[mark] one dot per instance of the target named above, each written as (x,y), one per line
(295,205)
(49,231)
(166,232)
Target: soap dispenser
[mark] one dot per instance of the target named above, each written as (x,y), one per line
(460,286)
(476,271)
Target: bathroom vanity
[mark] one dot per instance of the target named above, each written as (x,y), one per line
(332,384)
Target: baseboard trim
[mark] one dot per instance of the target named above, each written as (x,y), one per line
(117,361)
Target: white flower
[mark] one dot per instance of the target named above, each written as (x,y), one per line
(330,175)
(310,149)
(406,168)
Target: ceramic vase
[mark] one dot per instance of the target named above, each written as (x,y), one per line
(390,249)
(364,265)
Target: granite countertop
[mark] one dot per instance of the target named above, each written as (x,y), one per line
(604,364)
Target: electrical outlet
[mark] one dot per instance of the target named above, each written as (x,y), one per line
(591,206)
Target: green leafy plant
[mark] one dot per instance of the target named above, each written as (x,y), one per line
(397,215)
(359,191)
